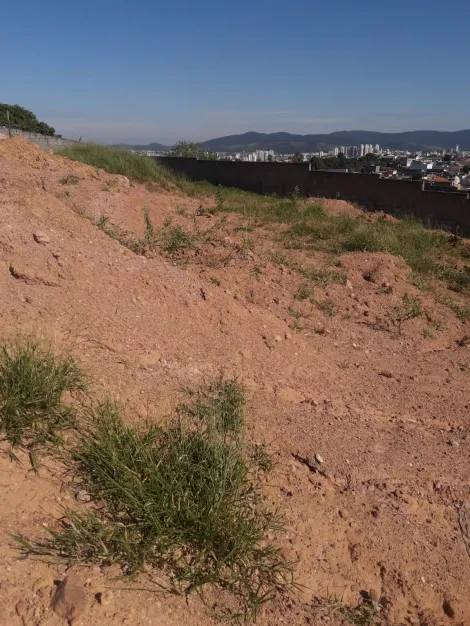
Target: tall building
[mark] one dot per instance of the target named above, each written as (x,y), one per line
(362,150)
(377,148)
(336,151)
(343,150)
(457,148)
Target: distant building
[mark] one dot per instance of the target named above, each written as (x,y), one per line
(362,150)
(336,152)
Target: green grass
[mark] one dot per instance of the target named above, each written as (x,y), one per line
(134,166)
(176,238)
(182,501)
(327,307)
(409,308)
(33,388)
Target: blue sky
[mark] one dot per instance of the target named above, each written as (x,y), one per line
(197,69)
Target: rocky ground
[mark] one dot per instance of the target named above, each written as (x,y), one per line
(368,418)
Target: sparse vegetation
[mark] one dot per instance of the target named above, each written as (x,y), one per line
(184,499)
(174,239)
(304,292)
(327,307)
(71,179)
(123,162)
(33,388)
(409,308)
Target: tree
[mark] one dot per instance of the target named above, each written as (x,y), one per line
(447,158)
(298,158)
(466,169)
(342,160)
(270,158)
(190,150)
(22,119)
(317,163)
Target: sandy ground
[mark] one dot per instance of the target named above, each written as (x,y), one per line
(387,411)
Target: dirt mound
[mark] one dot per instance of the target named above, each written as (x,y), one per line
(364,370)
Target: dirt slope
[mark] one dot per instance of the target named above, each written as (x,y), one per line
(387,411)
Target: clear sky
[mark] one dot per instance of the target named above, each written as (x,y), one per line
(142,71)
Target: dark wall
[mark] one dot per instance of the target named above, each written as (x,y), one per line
(399,197)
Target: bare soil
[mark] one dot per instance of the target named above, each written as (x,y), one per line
(386,410)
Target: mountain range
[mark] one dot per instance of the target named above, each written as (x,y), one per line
(289,143)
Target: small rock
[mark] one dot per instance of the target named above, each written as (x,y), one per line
(349,285)
(278,338)
(69,599)
(448,607)
(288,336)
(40,237)
(374,595)
(386,374)
(319,459)
(21,608)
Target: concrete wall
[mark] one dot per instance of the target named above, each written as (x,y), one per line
(47,143)
(450,211)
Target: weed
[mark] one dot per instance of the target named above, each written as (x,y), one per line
(344,365)
(463,313)
(181,211)
(327,307)
(364,614)
(71,179)
(32,386)
(174,239)
(304,292)
(244,229)
(184,499)
(149,233)
(295,196)
(256,270)
(215,281)
(427,334)
(323,277)
(219,199)
(407,310)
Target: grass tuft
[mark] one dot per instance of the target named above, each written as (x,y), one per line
(184,499)
(33,384)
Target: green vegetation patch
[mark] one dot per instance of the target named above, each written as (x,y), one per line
(183,499)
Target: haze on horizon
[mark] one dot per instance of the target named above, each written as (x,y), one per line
(120,73)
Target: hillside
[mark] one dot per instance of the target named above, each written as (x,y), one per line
(354,361)
(289,143)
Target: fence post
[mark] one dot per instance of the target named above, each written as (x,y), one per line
(9,123)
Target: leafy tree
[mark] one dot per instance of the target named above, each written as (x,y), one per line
(447,158)
(317,163)
(270,158)
(190,150)
(298,158)
(466,169)
(22,119)
(342,160)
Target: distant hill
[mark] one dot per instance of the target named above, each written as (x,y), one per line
(288,143)
(156,147)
